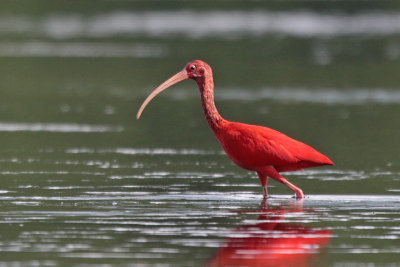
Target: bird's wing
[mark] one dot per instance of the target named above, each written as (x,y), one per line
(305,155)
(250,146)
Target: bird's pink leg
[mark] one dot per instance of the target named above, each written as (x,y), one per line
(264,183)
(274,174)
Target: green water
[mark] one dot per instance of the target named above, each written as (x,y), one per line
(83,183)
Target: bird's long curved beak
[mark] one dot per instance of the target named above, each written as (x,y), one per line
(180,76)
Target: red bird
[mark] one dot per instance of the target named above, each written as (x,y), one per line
(252,147)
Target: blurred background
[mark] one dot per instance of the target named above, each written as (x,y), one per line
(323,72)
(74,73)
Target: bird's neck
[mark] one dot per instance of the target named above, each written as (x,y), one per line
(206,87)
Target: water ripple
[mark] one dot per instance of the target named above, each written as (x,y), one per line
(143,151)
(195,24)
(333,175)
(322,95)
(57,127)
(79,49)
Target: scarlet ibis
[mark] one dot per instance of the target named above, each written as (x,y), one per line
(252,147)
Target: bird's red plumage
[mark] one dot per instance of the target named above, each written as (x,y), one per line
(252,147)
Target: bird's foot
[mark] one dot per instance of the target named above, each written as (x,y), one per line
(299,194)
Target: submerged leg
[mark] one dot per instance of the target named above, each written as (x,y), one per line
(264,183)
(274,174)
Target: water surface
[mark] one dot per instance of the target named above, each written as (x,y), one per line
(83,183)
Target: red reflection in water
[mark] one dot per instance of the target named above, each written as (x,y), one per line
(272,242)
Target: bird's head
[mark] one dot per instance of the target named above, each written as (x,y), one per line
(195,69)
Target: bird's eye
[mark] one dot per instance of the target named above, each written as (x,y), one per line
(192,67)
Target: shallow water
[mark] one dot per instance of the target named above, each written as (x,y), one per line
(142,206)
(83,183)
